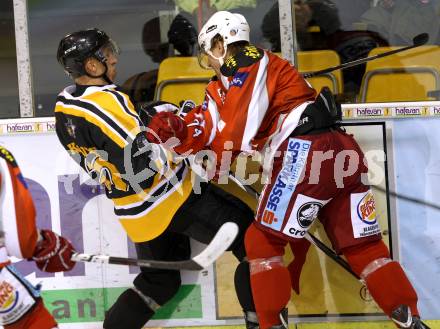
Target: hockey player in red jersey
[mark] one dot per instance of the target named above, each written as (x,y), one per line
(21,306)
(260,103)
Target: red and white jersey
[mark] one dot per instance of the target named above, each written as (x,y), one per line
(17,212)
(258,101)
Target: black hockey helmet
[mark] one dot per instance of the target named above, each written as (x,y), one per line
(76,47)
(182,35)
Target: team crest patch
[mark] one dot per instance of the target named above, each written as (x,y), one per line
(71,128)
(363,214)
(307,213)
(239,79)
(304,212)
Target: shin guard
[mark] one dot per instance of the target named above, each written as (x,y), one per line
(385,279)
(390,287)
(270,279)
(271,291)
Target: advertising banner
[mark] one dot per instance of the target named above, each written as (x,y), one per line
(68,202)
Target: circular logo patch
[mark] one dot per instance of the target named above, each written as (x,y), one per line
(307,213)
(366,209)
(8,297)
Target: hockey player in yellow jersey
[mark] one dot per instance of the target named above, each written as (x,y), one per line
(152,194)
(97,122)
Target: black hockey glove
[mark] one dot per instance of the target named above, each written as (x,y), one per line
(324,112)
(185,107)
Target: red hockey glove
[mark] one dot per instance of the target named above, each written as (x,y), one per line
(165,125)
(299,249)
(148,110)
(53,253)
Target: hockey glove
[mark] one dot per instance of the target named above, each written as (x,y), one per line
(185,107)
(147,110)
(165,125)
(53,253)
(324,112)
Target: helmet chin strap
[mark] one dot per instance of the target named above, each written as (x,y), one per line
(221,59)
(103,75)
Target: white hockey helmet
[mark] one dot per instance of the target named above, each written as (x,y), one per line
(231,27)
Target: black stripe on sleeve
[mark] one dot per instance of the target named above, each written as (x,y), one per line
(95,110)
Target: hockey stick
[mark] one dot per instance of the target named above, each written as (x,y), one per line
(342,262)
(418,41)
(329,252)
(310,237)
(408,198)
(221,241)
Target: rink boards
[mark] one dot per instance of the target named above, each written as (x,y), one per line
(68,203)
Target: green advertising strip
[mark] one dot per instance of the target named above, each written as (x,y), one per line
(88,305)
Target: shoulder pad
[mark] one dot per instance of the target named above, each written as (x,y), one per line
(5,154)
(245,57)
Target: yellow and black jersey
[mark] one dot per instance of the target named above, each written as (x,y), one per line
(100,129)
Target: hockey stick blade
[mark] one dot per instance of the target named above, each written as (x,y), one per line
(418,41)
(218,245)
(248,190)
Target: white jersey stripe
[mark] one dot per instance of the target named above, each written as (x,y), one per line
(215,116)
(67,94)
(258,105)
(98,118)
(7,212)
(288,126)
(125,107)
(110,115)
